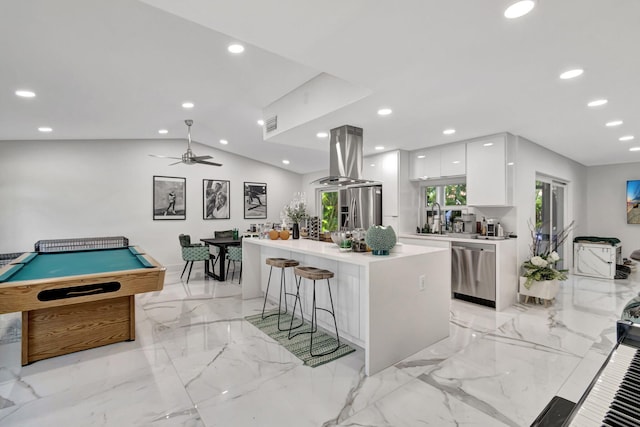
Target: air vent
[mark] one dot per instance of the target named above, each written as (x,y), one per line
(271,124)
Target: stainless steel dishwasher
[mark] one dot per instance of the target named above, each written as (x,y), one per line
(473,272)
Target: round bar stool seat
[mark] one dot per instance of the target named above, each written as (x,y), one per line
(314,273)
(280,263)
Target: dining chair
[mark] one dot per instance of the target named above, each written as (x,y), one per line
(219,235)
(234,254)
(192,252)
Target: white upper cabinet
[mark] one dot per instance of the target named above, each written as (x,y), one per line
(384,167)
(489,172)
(437,162)
(453,160)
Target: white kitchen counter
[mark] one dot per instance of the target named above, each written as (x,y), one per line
(393,306)
(446,238)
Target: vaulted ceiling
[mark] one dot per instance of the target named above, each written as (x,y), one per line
(121,69)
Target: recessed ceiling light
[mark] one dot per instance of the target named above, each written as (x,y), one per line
(571,74)
(614,123)
(510,164)
(597,103)
(322,134)
(163,131)
(45,129)
(634,149)
(286,162)
(519,9)
(235,48)
(260,122)
(372,165)
(488,144)
(455,162)
(421,156)
(224,142)
(384,111)
(626,138)
(25,93)
(187,105)
(449,131)
(379,147)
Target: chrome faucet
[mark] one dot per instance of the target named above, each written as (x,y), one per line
(437,226)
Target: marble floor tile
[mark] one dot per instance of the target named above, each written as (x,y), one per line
(197,362)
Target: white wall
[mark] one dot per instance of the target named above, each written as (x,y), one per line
(606,204)
(67,189)
(532,159)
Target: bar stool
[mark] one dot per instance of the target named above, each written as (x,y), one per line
(280,263)
(314,273)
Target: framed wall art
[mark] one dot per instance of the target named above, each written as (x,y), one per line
(633,202)
(215,199)
(255,200)
(169,197)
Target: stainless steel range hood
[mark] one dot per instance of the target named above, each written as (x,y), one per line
(345,157)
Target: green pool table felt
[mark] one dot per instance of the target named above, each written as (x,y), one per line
(62,264)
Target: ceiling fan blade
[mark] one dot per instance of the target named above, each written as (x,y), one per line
(201,157)
(207,163)
(165,157)
(176,163)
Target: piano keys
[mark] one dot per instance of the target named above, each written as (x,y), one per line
(613,398)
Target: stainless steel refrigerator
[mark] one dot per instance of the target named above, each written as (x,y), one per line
(360,206)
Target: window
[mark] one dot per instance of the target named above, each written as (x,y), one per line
(446,195)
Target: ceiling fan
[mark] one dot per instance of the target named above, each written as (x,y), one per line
(189,158)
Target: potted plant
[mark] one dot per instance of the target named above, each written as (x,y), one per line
(296,211)
(540,275)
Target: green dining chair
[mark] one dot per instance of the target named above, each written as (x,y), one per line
(192,252)
(234,254)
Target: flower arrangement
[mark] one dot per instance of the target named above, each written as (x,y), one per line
(542,263)
(296,210)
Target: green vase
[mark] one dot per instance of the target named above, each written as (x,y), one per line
(380,239)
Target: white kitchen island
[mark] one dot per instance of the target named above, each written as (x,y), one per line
(391,306)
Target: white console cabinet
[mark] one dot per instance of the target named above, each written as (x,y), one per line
(596,259)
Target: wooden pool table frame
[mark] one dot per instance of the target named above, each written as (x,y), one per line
(62,326)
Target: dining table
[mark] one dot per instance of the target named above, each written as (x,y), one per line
(222,243)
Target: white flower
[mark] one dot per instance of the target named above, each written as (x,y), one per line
(553,256)
(539,261)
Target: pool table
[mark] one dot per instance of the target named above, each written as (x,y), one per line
(72,301)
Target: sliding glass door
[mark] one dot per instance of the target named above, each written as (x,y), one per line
(550,215)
